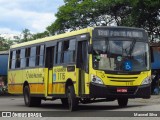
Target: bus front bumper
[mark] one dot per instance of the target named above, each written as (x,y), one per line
(102,91)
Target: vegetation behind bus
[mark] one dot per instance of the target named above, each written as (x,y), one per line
(81,14)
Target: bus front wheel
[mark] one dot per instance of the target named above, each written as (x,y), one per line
(122,102)
(72,100)
(30,101)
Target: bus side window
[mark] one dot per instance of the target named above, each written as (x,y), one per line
(69,51)
(27,55)
(65,52)
(10,59)
(39,55)
(58,53)
(13,59)
(32,58)
(72,47)
(18,58)
(23,59)
(41,61)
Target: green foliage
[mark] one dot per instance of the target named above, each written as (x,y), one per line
(5,44)
(83,13)
(146,14)
(40,35)
(27,36)
(74,14)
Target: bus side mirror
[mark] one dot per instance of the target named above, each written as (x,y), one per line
(90,49)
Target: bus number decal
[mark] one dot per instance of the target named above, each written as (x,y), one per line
(61,76)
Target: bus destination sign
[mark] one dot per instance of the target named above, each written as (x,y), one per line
(119,33)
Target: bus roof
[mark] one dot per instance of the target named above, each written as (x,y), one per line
(55,37)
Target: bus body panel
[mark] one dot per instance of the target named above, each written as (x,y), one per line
(122,80)
(34,77)
(60,76)
(15,84)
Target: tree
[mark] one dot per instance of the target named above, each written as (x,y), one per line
(74,14)
(83,13)
(146,14)
(27,36)
(5,44)
(40,35)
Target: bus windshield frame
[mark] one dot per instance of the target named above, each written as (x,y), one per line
(120,53)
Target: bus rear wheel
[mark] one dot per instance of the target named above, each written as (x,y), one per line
(122,102)
(72,100)
(30,101)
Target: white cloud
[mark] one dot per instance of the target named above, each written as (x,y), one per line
(8,30)
(33,15)
(42,21)
(36,22)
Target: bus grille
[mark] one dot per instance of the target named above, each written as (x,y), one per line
(122,79)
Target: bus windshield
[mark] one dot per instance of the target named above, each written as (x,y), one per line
(115,54)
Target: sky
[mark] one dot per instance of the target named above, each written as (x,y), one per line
(35,15)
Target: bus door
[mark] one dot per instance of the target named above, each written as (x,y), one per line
(82,64)
(49,62)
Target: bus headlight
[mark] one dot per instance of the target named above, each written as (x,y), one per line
(146,81)
(96,79)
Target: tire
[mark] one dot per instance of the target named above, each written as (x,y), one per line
(122,102)
(72,100)
(64,101)
(28,100)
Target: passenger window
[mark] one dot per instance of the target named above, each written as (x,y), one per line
(27,56)
(13,59)
(67,54)
(41,59)
(72,44)
(59,49)
(18,58)
(23,59)
(10,59)
(39,55)
(22,55)
(69,51)
(32,57)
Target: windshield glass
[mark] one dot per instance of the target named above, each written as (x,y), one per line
(120,55)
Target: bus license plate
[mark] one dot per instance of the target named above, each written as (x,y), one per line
(123,90)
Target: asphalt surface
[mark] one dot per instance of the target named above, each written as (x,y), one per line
(102,110)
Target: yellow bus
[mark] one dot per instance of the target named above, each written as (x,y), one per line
(83,66)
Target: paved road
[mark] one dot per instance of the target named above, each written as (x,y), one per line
(16,103)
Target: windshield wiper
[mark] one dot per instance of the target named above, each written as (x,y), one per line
(129,52)
(132,47)
(108,51)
